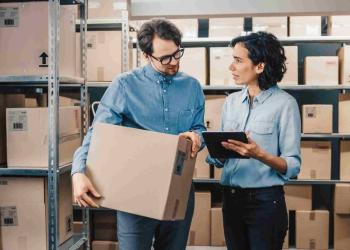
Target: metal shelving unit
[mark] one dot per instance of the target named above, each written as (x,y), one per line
(52,82)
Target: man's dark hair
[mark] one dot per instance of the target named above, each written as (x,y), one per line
(163,28)
(265,48)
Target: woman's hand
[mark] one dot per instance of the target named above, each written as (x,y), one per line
(250,149)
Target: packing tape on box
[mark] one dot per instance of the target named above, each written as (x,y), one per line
(100,74)
(312,244)
(176,208)
(313,174)
(192,238)
(312,216)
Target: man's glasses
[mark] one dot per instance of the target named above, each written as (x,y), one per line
(165,60)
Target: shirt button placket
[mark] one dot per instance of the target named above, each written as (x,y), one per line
(166,106)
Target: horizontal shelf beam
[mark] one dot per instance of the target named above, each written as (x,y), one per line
(145,9)
(225,41)
(37,79)
(286,87)
(291,182)
(32,172)
(73,243)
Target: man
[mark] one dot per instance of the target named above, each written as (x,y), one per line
(155,97)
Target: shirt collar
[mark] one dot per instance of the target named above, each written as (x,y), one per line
(156,75)
(262,96)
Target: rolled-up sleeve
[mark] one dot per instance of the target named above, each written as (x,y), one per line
(110,110)
(289,138)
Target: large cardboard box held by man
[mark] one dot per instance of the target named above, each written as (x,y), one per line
(23,212)
(141,172)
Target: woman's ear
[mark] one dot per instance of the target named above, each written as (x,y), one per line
(259,68)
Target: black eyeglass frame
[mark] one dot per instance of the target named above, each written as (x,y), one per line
(170,57)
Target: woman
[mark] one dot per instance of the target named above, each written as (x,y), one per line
(254,208)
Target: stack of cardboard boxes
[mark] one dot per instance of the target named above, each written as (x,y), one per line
(104,230)
(207,227)
(212,120)
(24,125)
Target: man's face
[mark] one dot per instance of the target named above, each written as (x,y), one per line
(162,48)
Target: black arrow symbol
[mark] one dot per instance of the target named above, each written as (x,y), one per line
(43,58)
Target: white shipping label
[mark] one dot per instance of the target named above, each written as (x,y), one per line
(9,17)
(310,112)
(18,120)
(8,216)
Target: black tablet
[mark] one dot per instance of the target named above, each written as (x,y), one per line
(216,150)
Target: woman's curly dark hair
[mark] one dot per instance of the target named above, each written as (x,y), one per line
(264,48)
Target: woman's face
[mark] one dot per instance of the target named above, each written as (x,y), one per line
(244,72)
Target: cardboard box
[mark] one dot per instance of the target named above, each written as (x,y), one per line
(213,109)
(10,101)
(217,227)
(193,63)
(103,55)
(275,25)
(344,67)
(291,75)
(202,168)
(217,173)
(322,152)
(341,232)
(342,199)
(188,27)
(27,136)
(298,197)
(42,100)
(338,26)
(78,227)
(105,245)
(312,229)
(344,160)
(104,225)
(226,27)
(343,113)
(220,61)
(151,166)
(200,227)
(34,55)
(305,26)
(321,70)
(318,119)
(24,212)
(106,9)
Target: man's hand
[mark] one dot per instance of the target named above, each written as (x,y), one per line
(250,149)
(196,141)
(81,187)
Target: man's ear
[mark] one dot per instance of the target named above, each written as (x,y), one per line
(146,56)
(260,68)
